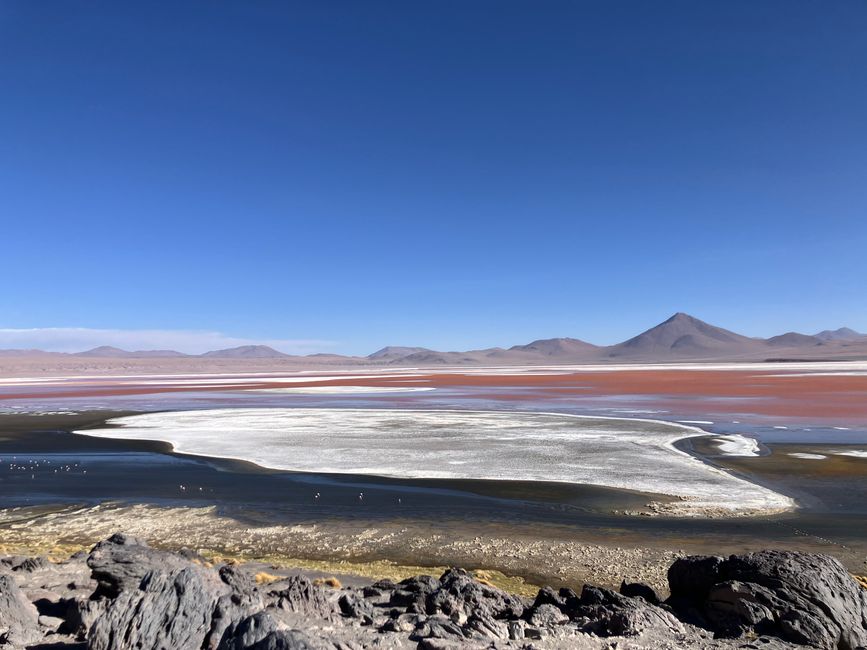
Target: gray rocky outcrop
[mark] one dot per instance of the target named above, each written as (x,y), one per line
(18,616)
(127,595)
(157,599)
(802,598)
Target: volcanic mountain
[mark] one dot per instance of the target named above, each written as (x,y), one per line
(680,338)
(685,337)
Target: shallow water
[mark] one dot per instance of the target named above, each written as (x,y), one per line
(832,492)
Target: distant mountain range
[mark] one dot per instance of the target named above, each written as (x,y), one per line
(680,338)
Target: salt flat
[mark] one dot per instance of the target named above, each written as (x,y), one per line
(495,445)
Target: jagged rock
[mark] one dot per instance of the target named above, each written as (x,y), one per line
(402,623)
(516,630)
(160,599)
(566,600)
(799,597)
(439,627)
(384,585)
(547,596)
(460,593)
(355,606)
(547,615)
(261,632)
(247,632)
(735,608)
(18,617)
(299,595)
(80,613)
(693,577)
(419,584)
(171,609)
(12,561)
(639,590)
(607,613)
(402,598)
(243,598)
(178,602)
(121,561)
(482,625)
(31,564)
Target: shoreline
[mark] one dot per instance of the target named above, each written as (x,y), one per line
(515,524)
(523,553)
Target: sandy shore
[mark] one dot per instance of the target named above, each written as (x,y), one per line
(531,555)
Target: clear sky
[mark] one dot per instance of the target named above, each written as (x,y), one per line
(456,174)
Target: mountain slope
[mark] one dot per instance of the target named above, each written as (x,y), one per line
(794,339)
(109,352)
(396,352)
(558,347)
(246,352)
(841,334)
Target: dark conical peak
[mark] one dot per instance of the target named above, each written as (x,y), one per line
(685,336)
(682,317)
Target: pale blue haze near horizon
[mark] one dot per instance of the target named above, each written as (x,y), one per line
(449,174)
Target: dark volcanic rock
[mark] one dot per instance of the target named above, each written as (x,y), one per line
(298,595)
(355,606)
(547,615)
(460,593)
(243,598)
(157,599)
(143,598)
(693,577)
(438,627)
(639,590)
(171,609)
(121,561)
(32,564)
(18,617)
(261,632)
(798,597)
(607,613)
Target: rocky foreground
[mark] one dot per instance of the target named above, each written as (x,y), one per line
(124,594)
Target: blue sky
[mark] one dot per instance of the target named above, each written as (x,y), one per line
(345,175)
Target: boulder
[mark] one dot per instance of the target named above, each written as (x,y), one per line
(121,561)
(460,593)
(354,606)
(547,615)
(437,626)
(169,609)
(798,597)
(299,595)
(18,617)
(155,599)
(640,590)
(261,632)
(607,613)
